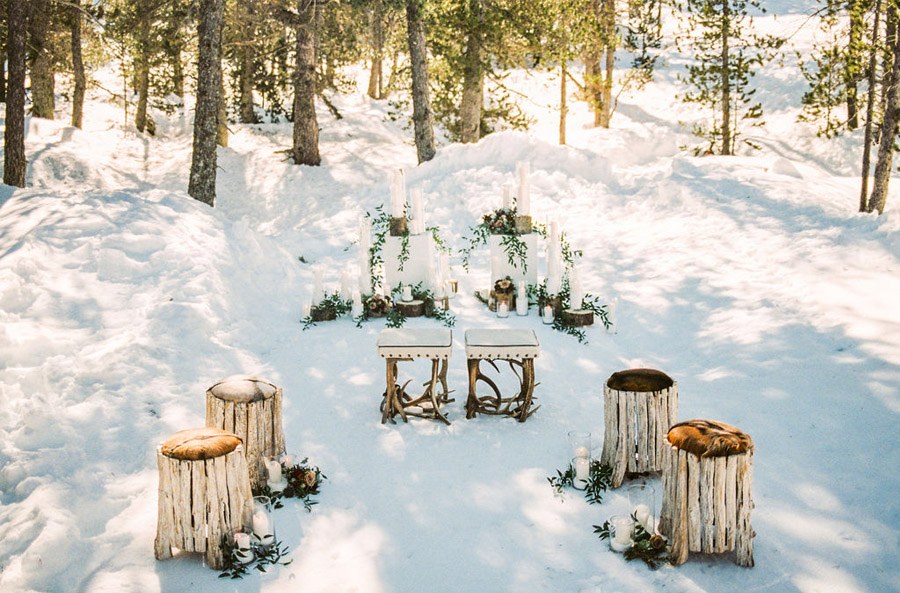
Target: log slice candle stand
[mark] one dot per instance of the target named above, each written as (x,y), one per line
(413,308)
(707,479)
(522,224)
(577,317)
(639,406)
(250,408)
(204,492)
(398,226)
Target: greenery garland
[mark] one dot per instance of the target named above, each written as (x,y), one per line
(499,222)
(332,306)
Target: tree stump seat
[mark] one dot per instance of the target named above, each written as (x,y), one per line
(639,406)
(707,500)
(204,490)
(250,408)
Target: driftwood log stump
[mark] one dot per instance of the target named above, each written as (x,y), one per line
(204,491)
(250,408)
(707,479)
(639,406)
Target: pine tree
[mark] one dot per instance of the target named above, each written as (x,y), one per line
(41,59)
(14,163)
(726,57)
(305,148)
(421,93)
(77,65)
(202,181)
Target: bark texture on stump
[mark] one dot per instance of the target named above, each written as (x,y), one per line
(251,409)
(203,493)
(707,497)
(639,406)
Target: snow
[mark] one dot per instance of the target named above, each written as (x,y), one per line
(751,280)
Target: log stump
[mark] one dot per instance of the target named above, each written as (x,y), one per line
(398,226)
(204,491)
(250,408)
(413,308)
(707,479)
(639,406)
(578,317)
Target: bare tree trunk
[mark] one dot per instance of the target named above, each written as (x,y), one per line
(609,42)
(423,118)
(563,102)
(306,126)
(888,136)
(592,84)
(42,82)
(77,66)
(853,65)
(142,67)
(177,68)
(3,71)
(14,163)
(376,84)
(202,182)
(870,108)
(222,115)
(246,59)
(725,71)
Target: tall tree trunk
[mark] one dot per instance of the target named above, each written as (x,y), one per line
(142,67)
(870,108)
(563,102)
(725,70)
(852,68)
(77,66)
(473,80)
(609,48)
(306,127)
(42,82)
(246,59)
(423,118)
(592,84)
(202,182)
(888,135)
(3,72)
(222,114)
(173,52)
(376,83)
(14,135)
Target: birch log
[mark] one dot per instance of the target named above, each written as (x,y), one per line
(707,491)
(251,408)
(639,406)
(204,489)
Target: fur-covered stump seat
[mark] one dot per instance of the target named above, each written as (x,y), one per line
(250,408)
(706,491)
(204,489)
(639,406)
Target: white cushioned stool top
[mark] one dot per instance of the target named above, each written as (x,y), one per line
(401,342)
(514,344)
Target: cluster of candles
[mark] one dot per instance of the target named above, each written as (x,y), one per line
(398,203)
(262,531)
(641,501)
(523,198)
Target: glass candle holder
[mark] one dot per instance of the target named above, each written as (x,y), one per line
(642,501)
(261,523)
(582,467)
(580,443)
(621,528)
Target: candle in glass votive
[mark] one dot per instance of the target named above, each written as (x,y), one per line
(622,528)
(407,293)
(262,522)
(582,467)
(242,551)
(503,309)
(642,514)
(548,315)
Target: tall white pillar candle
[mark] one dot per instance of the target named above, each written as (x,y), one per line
(507,197)
(318,288)
(356,308)
(523,206)
(576,294)
(398,194)
(418,211)
(522,299)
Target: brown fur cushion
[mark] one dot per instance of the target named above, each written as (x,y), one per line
(705,438)
(640,380)
(200,443)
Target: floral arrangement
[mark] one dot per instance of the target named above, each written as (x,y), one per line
(303,482)
(243,556)
(504,286)
(500,222)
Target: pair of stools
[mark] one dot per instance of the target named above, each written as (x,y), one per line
(706,466)
(207,475)
(516,347)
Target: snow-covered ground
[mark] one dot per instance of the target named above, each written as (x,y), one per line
(751,280)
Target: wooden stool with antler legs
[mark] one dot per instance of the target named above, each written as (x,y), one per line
(519,348)
(401,344)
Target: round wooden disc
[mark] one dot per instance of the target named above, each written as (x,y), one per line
(414,308)
(706,438)
(578,317)
(640,380)
(242,389)
(199,443)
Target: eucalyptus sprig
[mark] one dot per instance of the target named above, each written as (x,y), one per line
(264,557)
(599,481)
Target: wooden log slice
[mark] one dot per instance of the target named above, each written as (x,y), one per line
(323,314)
(199,443)
(523,225)
(398,226)
(578,317)
(414,308)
